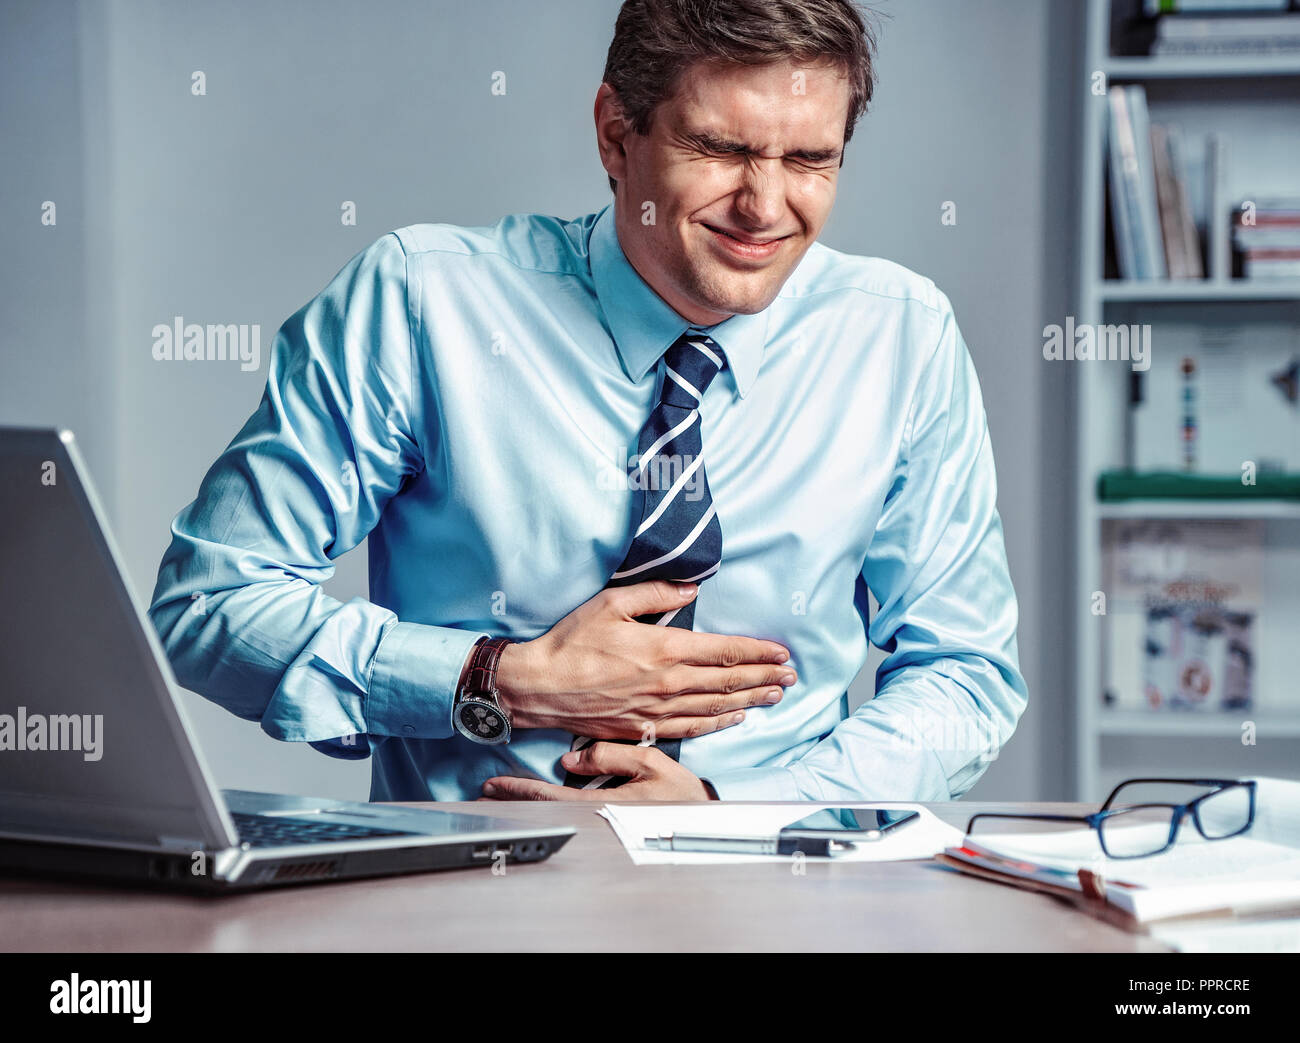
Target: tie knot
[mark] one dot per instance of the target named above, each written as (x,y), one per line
(692,362)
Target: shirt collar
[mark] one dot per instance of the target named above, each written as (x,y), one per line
(644,326)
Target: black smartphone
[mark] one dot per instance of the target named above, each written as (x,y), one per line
(831,830)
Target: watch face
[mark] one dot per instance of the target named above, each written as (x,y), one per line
(481,721)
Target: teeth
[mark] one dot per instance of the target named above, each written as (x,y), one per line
(737,239)
(745,242)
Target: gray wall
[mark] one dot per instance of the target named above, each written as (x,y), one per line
(225,208)
(54,363)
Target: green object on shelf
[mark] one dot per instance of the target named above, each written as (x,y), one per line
(1113,486)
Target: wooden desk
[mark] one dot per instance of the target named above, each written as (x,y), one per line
(587,897)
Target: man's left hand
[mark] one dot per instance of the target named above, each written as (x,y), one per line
(651,775)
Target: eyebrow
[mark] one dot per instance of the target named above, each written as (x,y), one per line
(708,142)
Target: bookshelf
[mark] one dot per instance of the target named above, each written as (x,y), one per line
(1135,70)
(1193,509)
(1254,103)
(1157,290)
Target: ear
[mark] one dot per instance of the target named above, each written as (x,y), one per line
(611,130)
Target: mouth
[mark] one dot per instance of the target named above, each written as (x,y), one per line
(747,247)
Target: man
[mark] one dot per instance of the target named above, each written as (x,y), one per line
(627,479)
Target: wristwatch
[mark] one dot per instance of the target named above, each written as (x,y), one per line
(476,712)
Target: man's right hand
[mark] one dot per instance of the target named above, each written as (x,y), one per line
(600,673)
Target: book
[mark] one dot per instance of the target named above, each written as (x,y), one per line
(1139,184)
(1121,486)
(1187,27)
(1151,245)
(1190,240)
(1135,211)
(1266,238)
(1256,872)
(1245,47)
(1153,8)
(1182,620)
(1270,268)
(1169,202)
(1217,245)
(1258,34)
(1123,176)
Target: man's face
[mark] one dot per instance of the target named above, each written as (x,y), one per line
(741,165)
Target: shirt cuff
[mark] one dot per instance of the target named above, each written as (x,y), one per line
(413,680)
(755,784)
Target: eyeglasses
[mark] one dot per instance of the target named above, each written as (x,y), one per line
(1139,829)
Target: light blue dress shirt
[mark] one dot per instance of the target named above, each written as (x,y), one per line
(468,399)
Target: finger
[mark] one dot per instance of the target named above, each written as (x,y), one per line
(683,680)
(718,704)
(610,758)
(507,787)
(657,595)
(597,796)
(704,649)
(691,727)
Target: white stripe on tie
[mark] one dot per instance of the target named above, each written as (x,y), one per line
(663,440)
(676,551)
(683,382)
(703,575)
(704,348)
(667,618)
(673,490)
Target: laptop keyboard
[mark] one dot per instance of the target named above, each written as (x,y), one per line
(277,831)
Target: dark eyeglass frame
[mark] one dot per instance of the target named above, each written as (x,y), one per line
(1177,812)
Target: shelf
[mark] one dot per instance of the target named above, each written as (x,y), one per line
(1284,510)
(1208,67)
(1197,290)
(1253,102)
(1213,724)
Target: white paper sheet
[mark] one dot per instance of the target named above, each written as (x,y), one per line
(633,823)
(1281,935)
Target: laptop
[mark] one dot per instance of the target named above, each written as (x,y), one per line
(99,772)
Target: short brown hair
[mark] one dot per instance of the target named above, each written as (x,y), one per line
(655,41)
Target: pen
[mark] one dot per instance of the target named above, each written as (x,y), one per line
(738,845)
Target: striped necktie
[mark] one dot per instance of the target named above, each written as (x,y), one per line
(678,536)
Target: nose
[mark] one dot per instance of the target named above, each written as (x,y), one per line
(761,199)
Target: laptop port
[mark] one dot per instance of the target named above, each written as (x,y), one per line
(530,850)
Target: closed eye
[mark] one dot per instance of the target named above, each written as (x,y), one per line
(712,145)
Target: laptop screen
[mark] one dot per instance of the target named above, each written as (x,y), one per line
(92,743)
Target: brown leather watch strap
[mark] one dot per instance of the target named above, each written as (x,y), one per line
(482,673)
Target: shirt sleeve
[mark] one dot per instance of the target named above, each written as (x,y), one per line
(238,603)
(949,691)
